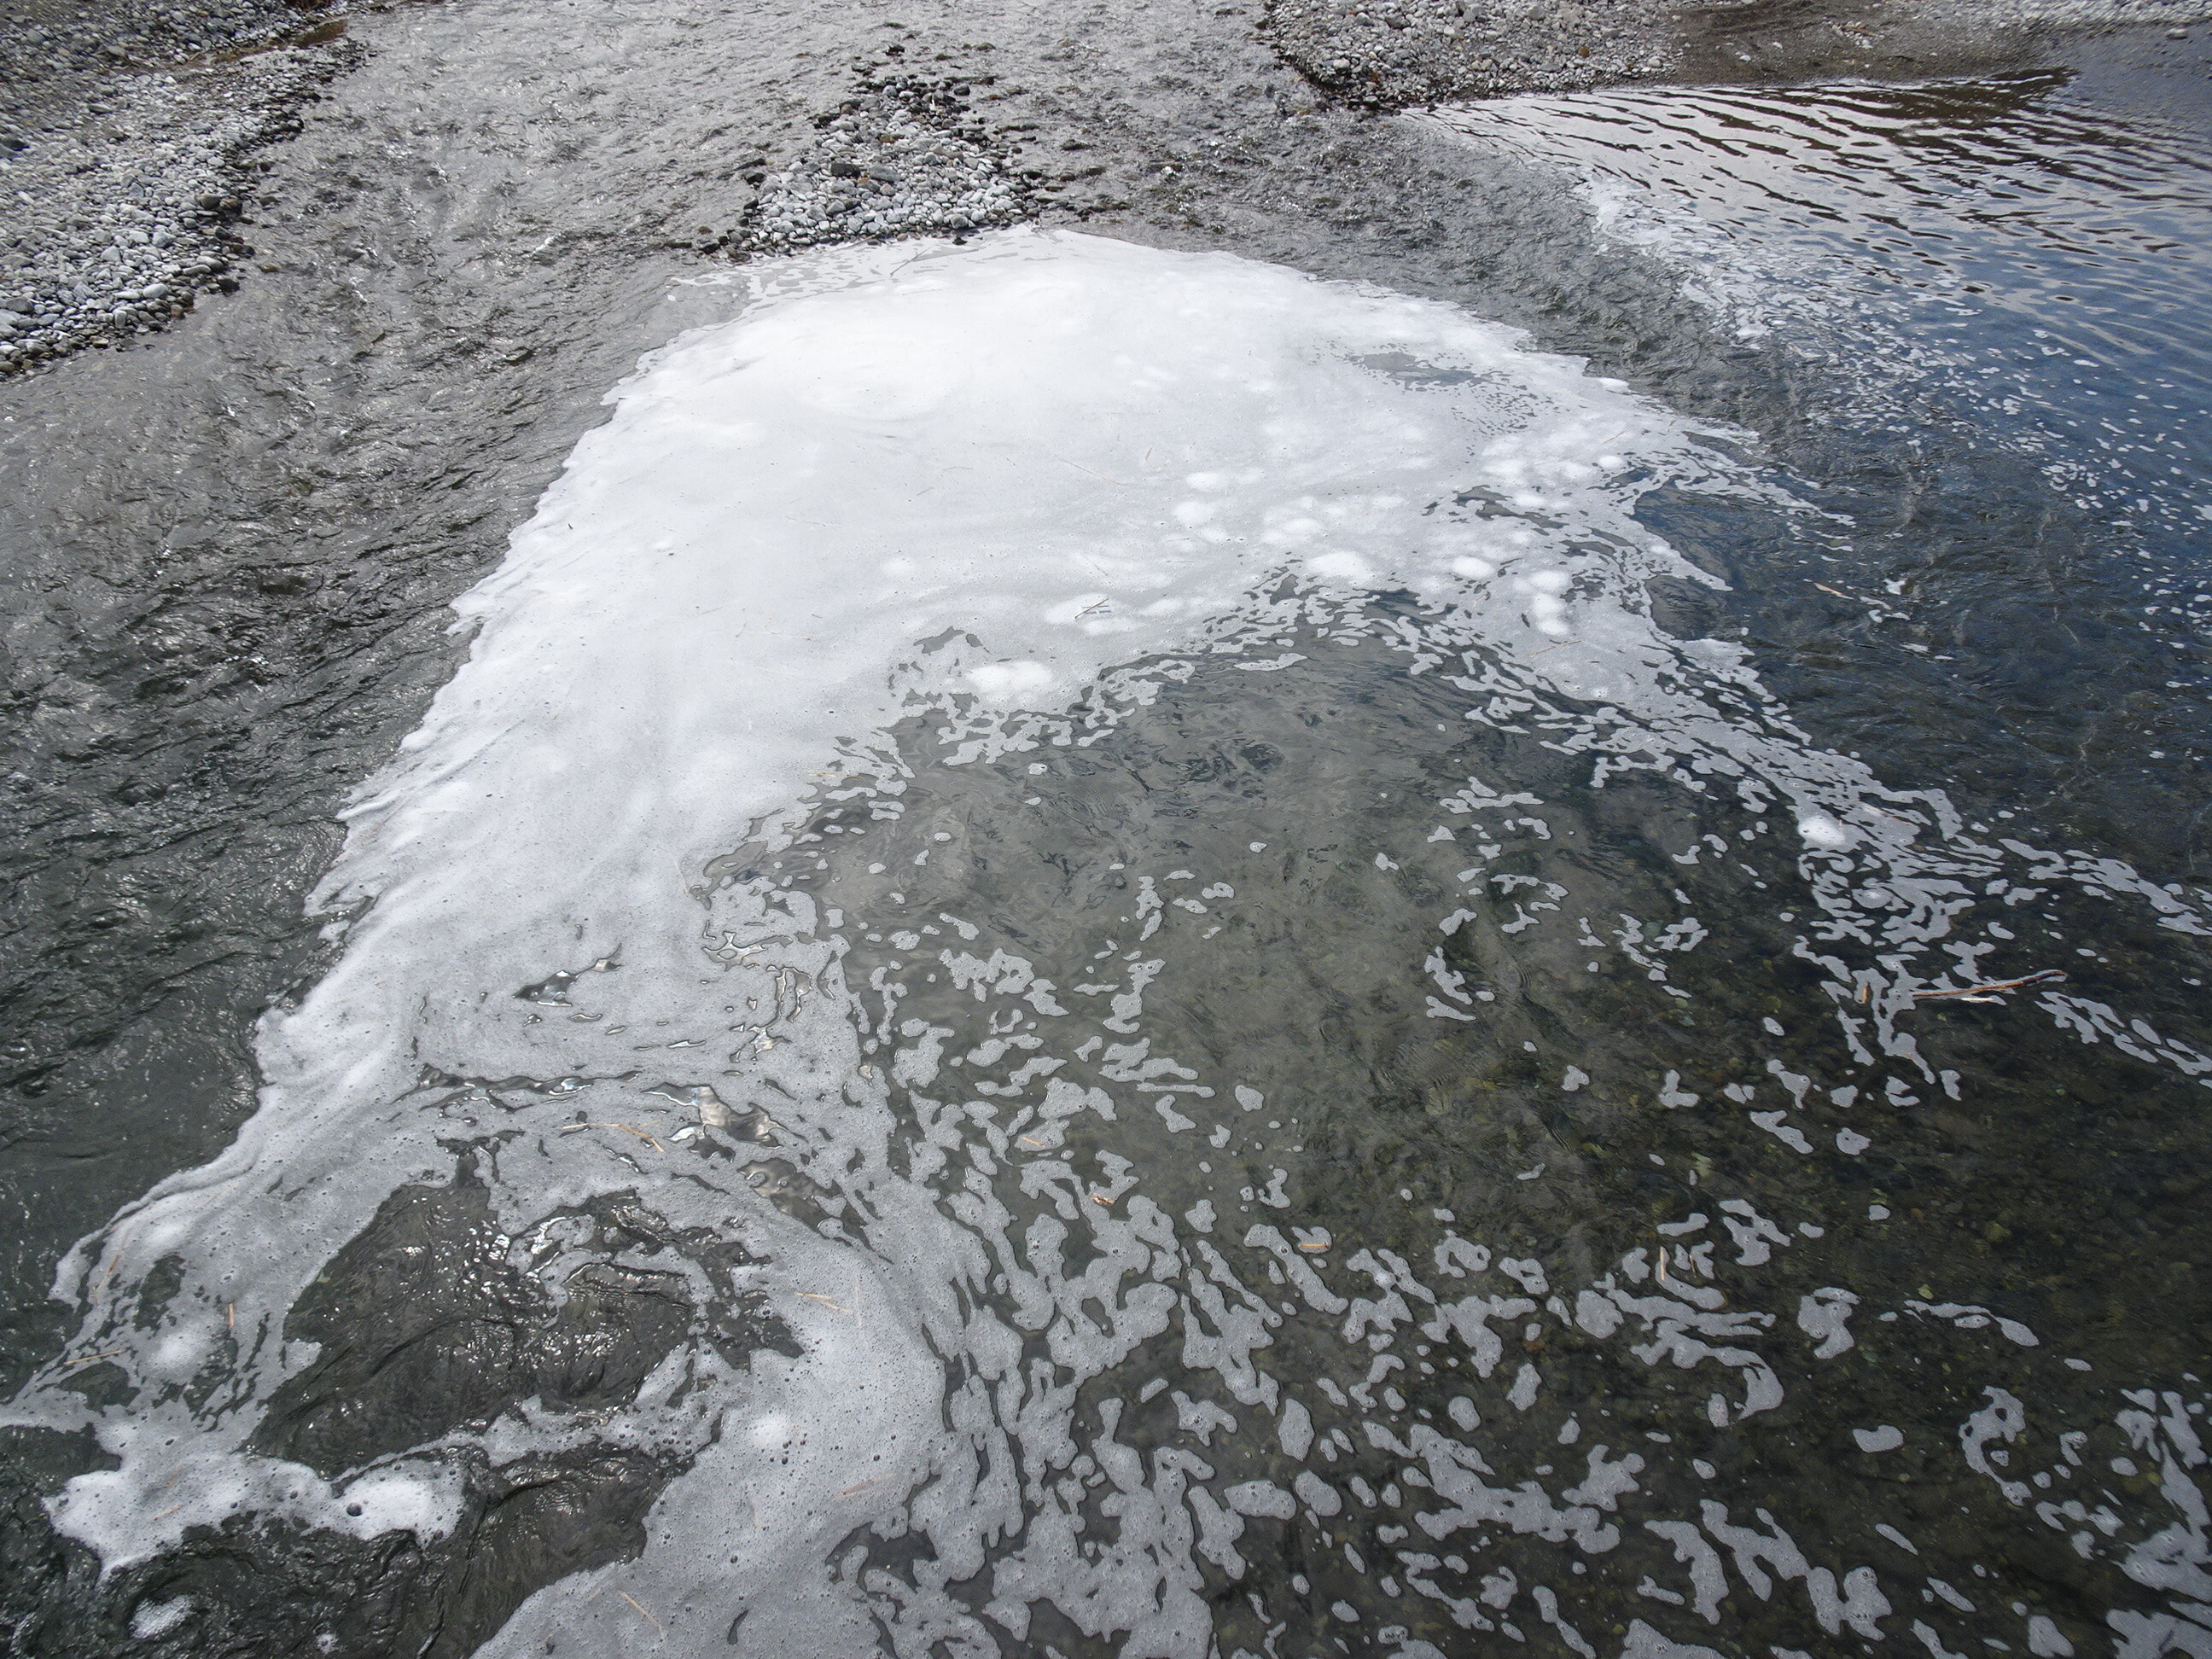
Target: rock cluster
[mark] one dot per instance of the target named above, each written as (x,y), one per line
(1392,53)
(903,155)
(47,43)
(122,190)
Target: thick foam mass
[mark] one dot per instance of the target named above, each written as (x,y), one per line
(1073,451)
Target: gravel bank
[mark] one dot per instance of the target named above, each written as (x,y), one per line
(904,156)
(125,183)
(46,46)
(1393,54)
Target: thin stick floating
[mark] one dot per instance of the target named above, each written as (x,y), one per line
(2048,976)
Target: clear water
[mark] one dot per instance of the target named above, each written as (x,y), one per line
(1996,250)
(1243,1007)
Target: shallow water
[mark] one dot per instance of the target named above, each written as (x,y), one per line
(2023,255)
(1108,950)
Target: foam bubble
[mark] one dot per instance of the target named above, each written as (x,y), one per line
(1821,830)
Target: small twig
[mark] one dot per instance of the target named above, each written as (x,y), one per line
(811,1296)
(862,1486)
(1101,1200)
(2048,975)
(641,1612)
(93,1359)
(627,1128)
(115,1262)
(1824,588)
(169,1512)
(1079,467)
(1026,1141)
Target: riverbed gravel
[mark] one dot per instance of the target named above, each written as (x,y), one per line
(134,135)
(47,45)
(1396,54)
(130,145)
(904,156)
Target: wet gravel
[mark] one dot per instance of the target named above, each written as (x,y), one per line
(48,46)
(1399,53)
(132,135)
(128,197)
(904,156)
(1394,54)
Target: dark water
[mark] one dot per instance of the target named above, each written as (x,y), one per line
(1462,1136)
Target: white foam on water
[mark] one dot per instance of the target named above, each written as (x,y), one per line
(1074,450)
(1071,450)
(970,480)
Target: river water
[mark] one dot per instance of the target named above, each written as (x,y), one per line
(1110,948)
